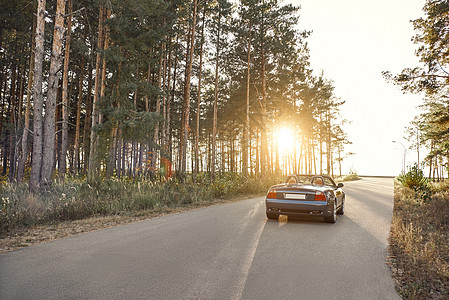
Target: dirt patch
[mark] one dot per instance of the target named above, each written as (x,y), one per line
(45,233)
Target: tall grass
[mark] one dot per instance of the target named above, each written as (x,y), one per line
(77,199)
(419,242)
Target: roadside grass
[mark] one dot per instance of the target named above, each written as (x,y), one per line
(77,199)
(419,242)
(349,177)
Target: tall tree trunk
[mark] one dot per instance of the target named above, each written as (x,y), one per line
(158,107)
(95,109)
(197,131)
(246,128)
(78,117)
(214,125)
(257,170)
(165,100)
(123,160)
(263,105)
(113,137)
(339,161)
(430,159)
(147,97)
(103,69)
(119,153)
(58,126)
(65,102)
(295,136)
(48,148)
(87,117)
(17,146)
(13,120)
(321,144)
(185,132)
(38,97)
(171,99)
(167,104)
(24,151)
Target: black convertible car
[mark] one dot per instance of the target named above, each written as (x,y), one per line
(305,195)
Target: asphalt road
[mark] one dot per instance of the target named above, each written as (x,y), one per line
(228,251)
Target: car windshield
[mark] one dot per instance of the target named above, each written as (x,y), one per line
(307,179)
(304,179)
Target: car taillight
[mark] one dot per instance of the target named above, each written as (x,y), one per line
(319,196)
(272,194)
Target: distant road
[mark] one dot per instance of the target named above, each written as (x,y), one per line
(227,251)
(377,176)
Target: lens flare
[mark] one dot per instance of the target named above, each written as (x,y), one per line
(286,139)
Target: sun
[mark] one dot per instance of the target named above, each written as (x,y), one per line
(286,139)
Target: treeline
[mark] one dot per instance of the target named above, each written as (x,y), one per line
(148,89)
(431,128)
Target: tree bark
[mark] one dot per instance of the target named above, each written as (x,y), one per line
(48,147)
(197,131)
(186,126)
(38,97)
(62,167)
(95,110)
(76,155)
(13,120)
(158,108)
(246,128)
(114,129)
(24,151)
(214,125)
(87,118)
(263,106)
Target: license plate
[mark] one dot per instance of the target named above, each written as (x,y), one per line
(295,196)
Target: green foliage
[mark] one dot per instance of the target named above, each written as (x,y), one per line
(415,179)
(234,184)
(431,128)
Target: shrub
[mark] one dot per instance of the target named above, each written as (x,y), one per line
(415,179)
(351,176)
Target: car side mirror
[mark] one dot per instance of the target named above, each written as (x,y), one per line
(340,185)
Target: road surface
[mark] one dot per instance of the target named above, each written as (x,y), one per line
(227,251)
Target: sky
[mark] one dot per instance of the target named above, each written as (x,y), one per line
(352,42)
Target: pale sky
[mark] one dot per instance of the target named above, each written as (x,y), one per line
(353,41)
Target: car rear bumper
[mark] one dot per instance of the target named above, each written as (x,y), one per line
(298,207)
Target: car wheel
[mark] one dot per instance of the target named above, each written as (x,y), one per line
(333,217)
(273,216)
(341,210)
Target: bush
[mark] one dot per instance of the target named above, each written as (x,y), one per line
(415,180)
(351,176)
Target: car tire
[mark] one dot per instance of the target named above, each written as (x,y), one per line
(333,217)
(273,216)
(341,210)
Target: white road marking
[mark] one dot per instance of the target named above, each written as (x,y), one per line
(246,266)
(207,283)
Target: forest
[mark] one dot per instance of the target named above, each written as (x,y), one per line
(164,88)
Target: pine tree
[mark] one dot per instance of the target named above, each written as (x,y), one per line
(38,98)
